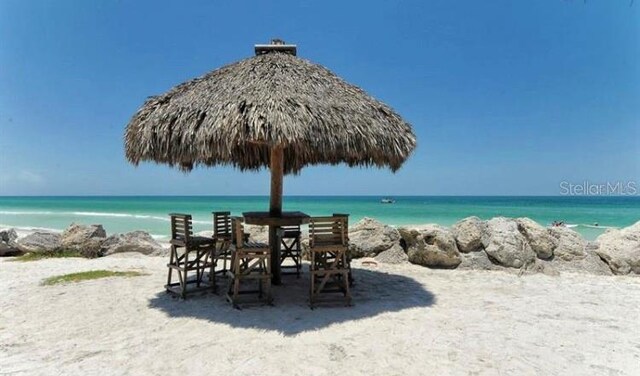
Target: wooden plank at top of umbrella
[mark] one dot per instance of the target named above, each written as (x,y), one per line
(271,110)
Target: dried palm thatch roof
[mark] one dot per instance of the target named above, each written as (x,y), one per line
(235,115)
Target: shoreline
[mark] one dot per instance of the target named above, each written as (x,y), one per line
(26,230)
(149,213)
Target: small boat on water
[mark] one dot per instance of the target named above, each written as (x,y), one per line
(387,200)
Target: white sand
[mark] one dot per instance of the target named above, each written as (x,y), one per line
(407,320)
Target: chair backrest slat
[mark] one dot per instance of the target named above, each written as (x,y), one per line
(346,223)
(222,225)
(237,231)
(328,230)
(181,226)
(289,231)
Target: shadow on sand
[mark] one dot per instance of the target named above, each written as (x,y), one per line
(374,293)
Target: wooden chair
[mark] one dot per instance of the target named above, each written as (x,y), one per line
(349,258)
(189,254)
(290,249)
(223,237)
(328,250)
(250,261)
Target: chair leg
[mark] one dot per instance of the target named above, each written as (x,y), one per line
(346,279)
(169,274)
(225,253)
(230,290)
(183,293)
(231,280)
(298,258)
(347,293)
(234,283)
(236,291)
(312,275)
(261,268)
(198,255)
(267,280)
(212,270)
(224,265)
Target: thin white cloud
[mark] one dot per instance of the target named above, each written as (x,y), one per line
(29,177)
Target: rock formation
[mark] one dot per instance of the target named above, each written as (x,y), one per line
(504,243)
(469,233)
(135,241)
(620,249)
(40,242)
(8,244)
(86,240)
(432,246)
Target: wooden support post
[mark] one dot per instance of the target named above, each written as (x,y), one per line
(274,242)
(275,208)
(277,172)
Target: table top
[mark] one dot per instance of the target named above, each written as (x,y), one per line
(284,219)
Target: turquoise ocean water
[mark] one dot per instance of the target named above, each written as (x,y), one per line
(149,213)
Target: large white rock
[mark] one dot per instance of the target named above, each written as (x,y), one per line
(621,249)
(369,237)
(432,246)
(468,234)
(135,241)
(539,238)
(570,245)
(85,239)
(8,244)
(393,255)
(40,242)
(506,245)
(477,261)
(590,263)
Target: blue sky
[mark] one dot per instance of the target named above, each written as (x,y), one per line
(506,97)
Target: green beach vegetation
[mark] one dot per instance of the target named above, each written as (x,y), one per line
(88,275)
(35,256)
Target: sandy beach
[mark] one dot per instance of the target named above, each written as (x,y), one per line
(406,320)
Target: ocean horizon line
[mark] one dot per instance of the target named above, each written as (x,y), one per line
(327,195)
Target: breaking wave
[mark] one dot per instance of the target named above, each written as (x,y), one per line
(93,214)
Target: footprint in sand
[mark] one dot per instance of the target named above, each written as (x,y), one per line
(336,353)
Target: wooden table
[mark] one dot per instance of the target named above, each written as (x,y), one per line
(274,222)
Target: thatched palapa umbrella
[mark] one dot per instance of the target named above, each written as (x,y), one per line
(272,110)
